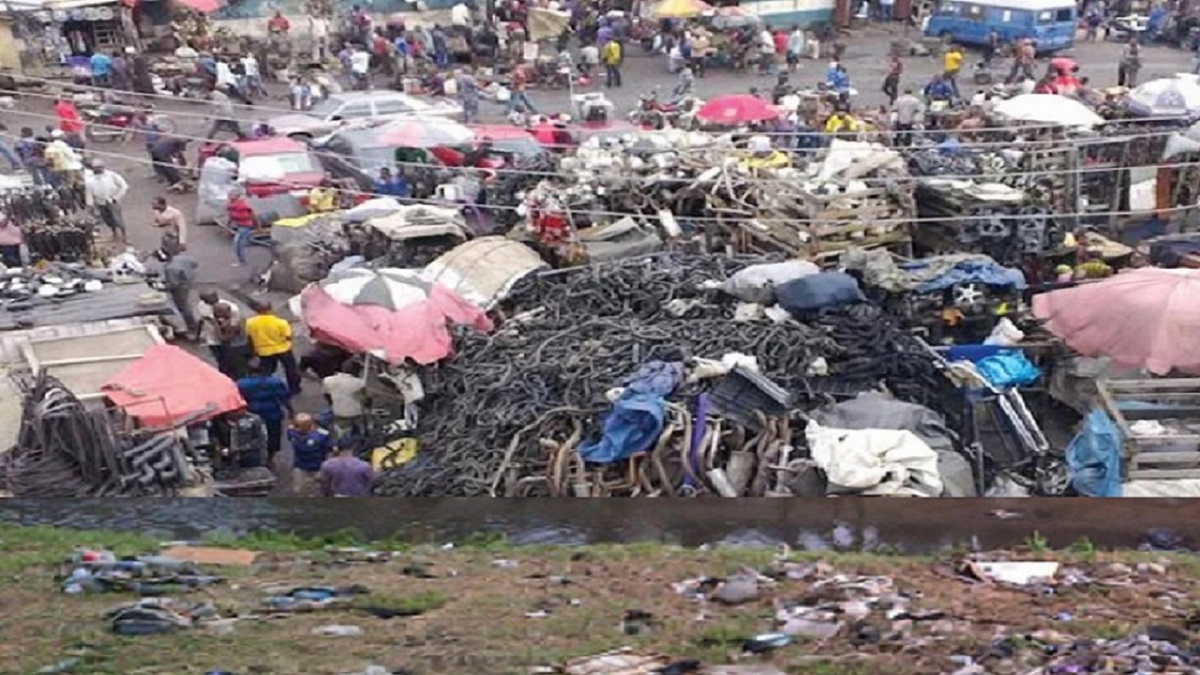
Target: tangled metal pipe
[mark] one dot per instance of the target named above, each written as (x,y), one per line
(66,450)
(505,415)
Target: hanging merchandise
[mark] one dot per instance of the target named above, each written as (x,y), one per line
(56,225)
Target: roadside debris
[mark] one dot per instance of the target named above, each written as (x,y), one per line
(1014,573)
(158,616)
(337,630)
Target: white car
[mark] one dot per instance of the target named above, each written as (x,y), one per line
(359,108)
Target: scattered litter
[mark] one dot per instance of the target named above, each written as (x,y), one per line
(505,564)
(737,590)
(307,599)
(747,669)
(636,621)
(623,661)
(768,642)
(157,617)
(64,666)
(336,630)
(1015,573)
(537,614)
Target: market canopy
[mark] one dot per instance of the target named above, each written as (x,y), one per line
(1177,96)
(1048,109)
(1144,318)
(391,313)
(737,109)
(680,9)
(425,133)
(202,6)
(168,385)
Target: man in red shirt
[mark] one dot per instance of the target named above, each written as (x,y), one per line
(69,121)
(241,218)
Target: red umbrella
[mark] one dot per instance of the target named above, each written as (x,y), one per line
(736,109)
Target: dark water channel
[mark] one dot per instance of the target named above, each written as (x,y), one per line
(910,525)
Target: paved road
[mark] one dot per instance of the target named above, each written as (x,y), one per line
(865,59)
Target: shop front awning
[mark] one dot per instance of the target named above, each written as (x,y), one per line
(62,5)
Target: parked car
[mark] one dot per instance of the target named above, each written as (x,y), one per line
(357,108)
(270,166)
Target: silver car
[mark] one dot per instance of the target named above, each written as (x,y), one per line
(359,108)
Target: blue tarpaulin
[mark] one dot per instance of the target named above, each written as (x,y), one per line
(971,271)
(636,418)
(816,291)
(1009,368)
(1094,457)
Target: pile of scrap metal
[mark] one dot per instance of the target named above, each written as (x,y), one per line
(987,218)
(855,195)
(65,449)
(660,185)
(667,374)
(381,232)
(945,299)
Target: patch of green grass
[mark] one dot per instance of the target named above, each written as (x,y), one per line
(410,604)
(1036,543)
(1083,546)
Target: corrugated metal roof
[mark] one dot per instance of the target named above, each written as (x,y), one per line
(484,270)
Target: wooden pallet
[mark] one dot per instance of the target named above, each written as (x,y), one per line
(1148,457)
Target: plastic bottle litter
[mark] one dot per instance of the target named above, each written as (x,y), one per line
(338,631)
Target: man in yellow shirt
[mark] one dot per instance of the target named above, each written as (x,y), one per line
(841,122)
(322,199)
(951,64)
(611,55)
(271,339)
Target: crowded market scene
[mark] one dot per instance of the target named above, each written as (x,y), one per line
(600,248)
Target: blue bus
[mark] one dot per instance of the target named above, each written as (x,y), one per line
(1050,23)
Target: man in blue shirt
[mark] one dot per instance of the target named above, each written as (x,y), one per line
(268,397)
(390,185)
(939,89)
(311,446)
(101,69)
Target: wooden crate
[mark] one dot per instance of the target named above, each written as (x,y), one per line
(1174,402)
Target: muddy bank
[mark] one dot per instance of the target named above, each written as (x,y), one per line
(503,609)
(909,525)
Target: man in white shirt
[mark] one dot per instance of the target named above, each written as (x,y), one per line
(360,68)
(318,34)
(104,190)
(589,59)
(766,48)
(253,85)
(460,15)
(344,392)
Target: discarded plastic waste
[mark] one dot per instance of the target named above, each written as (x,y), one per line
(337,631)
(768,642)
(1016,573)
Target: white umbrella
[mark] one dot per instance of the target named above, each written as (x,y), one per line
(1048,109)
(1177,96)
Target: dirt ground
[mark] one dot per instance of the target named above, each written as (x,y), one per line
(503,609)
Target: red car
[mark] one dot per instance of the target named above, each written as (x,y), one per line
(271,166)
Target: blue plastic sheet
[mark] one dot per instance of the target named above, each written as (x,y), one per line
(816,291)
(633,426)
(1094,457)
(636,419)
(972,272)
(1008,369)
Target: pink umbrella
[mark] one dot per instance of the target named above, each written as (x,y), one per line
(1144,318)
(392,312)
(736,109)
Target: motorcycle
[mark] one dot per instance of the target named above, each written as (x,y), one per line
(654,114)
(115,122)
